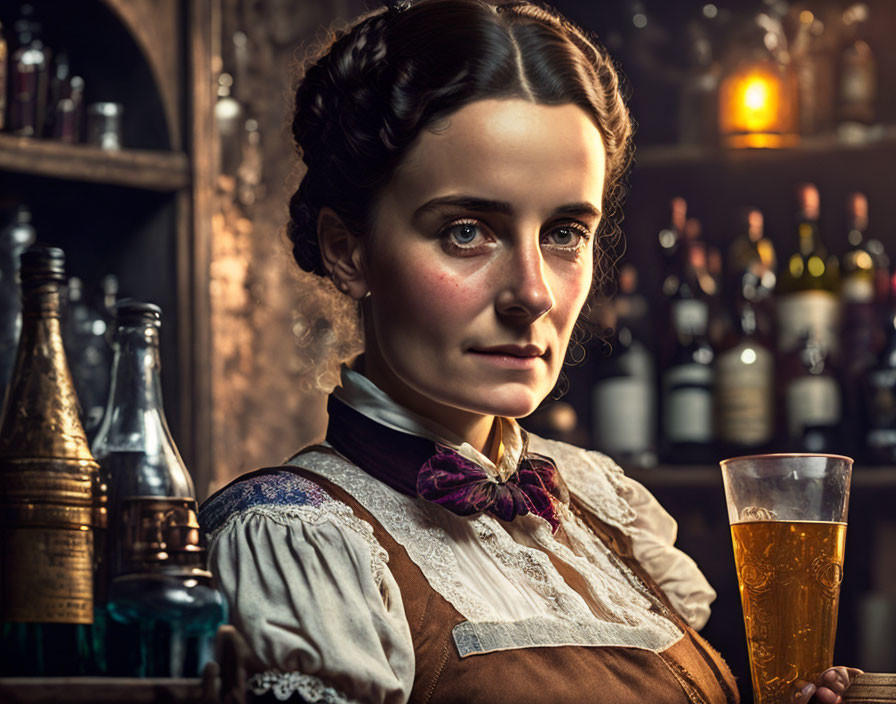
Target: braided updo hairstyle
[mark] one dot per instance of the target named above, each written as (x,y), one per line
(377,85)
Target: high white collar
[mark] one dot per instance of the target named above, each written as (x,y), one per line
(361,394)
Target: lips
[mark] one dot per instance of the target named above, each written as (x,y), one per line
(523,351)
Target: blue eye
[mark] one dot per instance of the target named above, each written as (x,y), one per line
(567,237)
(464,233)
(564,235)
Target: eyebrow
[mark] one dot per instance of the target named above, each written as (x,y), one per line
(498,206)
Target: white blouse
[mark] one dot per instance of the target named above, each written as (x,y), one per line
(310,588)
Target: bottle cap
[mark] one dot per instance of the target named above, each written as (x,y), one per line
(809,202)
(857,210)
(130,312)
(41,262)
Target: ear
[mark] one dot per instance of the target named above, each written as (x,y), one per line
(342,254)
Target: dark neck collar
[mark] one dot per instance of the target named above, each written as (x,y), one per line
(389,455)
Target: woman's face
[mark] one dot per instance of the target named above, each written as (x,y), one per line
(482,258)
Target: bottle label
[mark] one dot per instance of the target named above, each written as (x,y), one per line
(881,437)
(687,408)
(744,389)
(808,312)
(623,415)
(689,316)
(857,87)
(812,401)
(48,575)
(857,289)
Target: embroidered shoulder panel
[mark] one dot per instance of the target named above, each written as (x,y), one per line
(274,489)
(285,497)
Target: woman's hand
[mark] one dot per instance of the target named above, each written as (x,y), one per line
(828,688)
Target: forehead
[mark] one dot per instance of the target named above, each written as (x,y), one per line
(514,150)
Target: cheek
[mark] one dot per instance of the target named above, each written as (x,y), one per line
(432,297)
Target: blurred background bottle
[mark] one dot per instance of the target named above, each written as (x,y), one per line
(624,386)
(744,386)
(813,405)
(687,379)
(29,76)
(15,238)
(4,75)
(808,286)
(84,331)
(862,335)
(857,73)
(879,392)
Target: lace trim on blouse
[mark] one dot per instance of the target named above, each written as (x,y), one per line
(312,507)
(284,685)
(622,612)
(592,477)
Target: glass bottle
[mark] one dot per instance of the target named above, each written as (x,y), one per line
(624,386)
(137,455)
(90,357)
(808,286)
(698,105)
(879,391)
(53,506)
(744,387)
(59,89)
(670,238)
(4,74)
(857,94)
(812,398)
(163,600)
(687,380)
(862,335)
(229,120)
(30,74)
(753,269)
(14,239)
(68,123)
(813,52)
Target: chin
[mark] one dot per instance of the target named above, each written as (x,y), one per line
(510,404)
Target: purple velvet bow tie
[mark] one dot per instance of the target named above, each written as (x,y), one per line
(464,488)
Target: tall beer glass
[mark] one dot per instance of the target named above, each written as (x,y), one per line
(788,527)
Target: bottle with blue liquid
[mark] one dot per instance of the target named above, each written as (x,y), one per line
(163,611)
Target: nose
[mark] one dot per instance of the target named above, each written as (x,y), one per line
(526,293)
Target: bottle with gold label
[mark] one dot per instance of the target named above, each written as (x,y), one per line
(52,510)
(807,288)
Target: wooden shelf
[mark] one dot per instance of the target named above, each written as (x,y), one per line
(672,155)
(151,170)
(105,690)
(683,477)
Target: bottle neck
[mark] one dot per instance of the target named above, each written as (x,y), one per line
(855,235)
(807,231)
(136,368)
(41,300)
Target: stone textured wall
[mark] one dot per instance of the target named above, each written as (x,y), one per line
(278,334)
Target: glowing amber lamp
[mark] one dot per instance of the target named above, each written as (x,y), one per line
(757,107)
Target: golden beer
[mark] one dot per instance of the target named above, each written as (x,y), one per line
(789,574)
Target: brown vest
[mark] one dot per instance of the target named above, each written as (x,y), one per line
(689,671)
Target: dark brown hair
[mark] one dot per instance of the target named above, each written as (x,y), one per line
(368,94)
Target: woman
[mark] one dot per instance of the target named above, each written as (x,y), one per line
(464,166)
